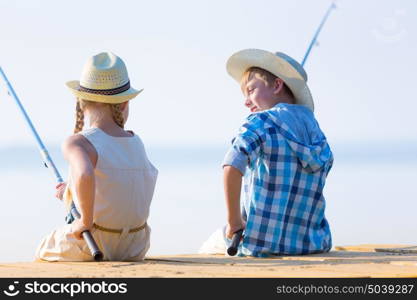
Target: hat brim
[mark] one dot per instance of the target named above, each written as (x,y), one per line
(111,99)
(241,61)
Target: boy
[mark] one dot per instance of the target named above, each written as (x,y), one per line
(284,157)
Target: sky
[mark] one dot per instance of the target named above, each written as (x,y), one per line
(361,74)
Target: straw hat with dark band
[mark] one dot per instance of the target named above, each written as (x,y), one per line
(279,64)
(104,79)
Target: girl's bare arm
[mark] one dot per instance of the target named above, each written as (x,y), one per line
(76,151)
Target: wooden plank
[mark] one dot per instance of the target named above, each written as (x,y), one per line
(333,264)
(400,250)
(369,247)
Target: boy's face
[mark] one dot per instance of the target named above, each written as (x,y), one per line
(259,95)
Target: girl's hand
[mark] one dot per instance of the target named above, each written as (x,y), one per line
(231,228)
(60,189)
(78,227)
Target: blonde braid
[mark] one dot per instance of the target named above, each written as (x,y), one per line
(117,115)
(79,118)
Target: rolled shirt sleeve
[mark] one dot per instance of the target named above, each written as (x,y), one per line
(235,159)
(245,147)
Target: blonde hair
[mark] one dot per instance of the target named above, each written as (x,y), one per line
(267,76)
(116,111)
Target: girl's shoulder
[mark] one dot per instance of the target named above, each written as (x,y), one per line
(77,143)
(74,140)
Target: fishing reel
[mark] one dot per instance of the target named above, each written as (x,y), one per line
(69,218)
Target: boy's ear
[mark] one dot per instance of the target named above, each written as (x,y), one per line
(278,85)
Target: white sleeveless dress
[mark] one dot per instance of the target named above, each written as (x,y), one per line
(125,181)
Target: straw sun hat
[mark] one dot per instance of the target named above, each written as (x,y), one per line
(279,64)
(104,79)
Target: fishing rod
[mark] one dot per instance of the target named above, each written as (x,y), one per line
(234,245)
(95,251)
(237,236)
(314,40)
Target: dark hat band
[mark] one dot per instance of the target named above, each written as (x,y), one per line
(108,92)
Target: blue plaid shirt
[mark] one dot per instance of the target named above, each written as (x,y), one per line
(285,158)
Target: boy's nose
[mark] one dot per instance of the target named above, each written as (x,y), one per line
(247,102)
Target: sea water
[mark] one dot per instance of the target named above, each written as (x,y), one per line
(370,197)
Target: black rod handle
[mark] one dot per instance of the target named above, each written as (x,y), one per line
(88,238)
(237,236)
(91,243)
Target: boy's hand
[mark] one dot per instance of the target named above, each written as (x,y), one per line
(78,227)
(231,228)
(60,188)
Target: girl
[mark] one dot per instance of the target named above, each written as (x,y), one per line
(111,180)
